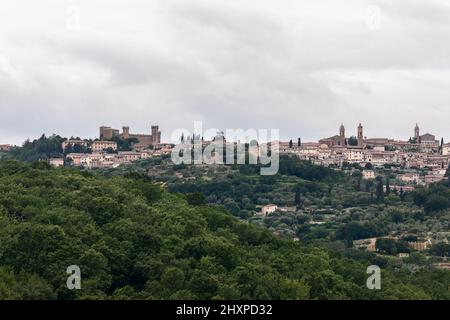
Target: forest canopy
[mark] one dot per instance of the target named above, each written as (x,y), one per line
(134,240)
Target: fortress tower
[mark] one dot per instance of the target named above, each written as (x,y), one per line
(156,135)
(108,133)
(125,132)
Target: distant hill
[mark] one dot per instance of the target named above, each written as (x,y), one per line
(133,240)
(38,149)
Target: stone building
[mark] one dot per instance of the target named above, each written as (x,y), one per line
(99,146)
(5,147)
(107,133)
(368,174)
(412,177)
(366,244)
(334,141)
(420,245)
(429,141)
(56,162)
(341,141)
(446,149)
(268,209)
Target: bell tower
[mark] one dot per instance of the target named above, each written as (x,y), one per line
(360,135)
(417,133)
(342,135)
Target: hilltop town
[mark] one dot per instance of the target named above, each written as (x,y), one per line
(421,160)
(112,149)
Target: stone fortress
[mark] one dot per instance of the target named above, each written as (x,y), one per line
(144,140)
(105,152)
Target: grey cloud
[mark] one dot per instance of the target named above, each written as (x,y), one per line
(303,67)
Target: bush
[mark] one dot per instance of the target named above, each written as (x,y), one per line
(196,199)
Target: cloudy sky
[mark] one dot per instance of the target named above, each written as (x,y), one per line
(300,66)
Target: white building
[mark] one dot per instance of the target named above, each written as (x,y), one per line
(5,147)
(409,178)
(268,209)
(354,155)
(133,156)
(446,149)
(368,174)
(99,146)
(56,162)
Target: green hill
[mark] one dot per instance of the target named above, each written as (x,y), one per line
(133,240)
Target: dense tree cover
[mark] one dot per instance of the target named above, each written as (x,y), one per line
(133,240)
(242,189)
(340,207)
(38,149)
(434,199)
(196,199)
(303,169)
(441,249)
(359,230)
(124,144)
(352,141)
(76,148)
(392,247)
(51,147)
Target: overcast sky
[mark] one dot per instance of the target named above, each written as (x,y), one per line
(304,67)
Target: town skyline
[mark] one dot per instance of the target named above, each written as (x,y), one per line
(350,130)
(419,154)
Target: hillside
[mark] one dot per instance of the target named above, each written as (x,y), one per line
(316,204)
(133,240)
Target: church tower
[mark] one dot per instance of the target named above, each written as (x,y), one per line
(342,135)
(417,133)
(360,135)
